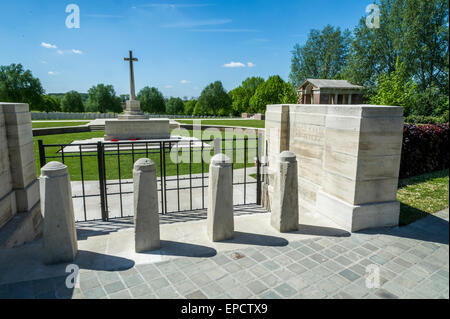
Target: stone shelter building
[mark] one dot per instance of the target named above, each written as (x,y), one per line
(321,91)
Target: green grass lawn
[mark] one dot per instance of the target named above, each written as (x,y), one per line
(56,124)
(422,195)
(245,123)
(90,163)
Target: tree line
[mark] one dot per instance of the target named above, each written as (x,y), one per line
(404,62)
(19,85)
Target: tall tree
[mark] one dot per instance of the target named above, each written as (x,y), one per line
(102,98)
(174,105)
(19,85)
(214,100)
(323,56)
(241,95)
(189,107)
(50,104)
(395,88)
(416,32)
(152,100)
(72,102)
(274,91)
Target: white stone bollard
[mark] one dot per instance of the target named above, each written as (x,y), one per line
(220,222)
(146,213)
(284,210)
(59,233)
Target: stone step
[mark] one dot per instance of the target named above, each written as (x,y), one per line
(22,228)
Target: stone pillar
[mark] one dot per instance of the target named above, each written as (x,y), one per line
(220,222)
(60,237)
(276,139)
(146,213)
(284,210)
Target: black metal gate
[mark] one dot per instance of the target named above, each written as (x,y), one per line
(101,173)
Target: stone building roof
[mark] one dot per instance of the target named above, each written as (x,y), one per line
(332,84)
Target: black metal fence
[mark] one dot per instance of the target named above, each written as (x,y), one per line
(101,173)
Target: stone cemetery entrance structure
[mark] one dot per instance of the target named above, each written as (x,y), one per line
(348,160)
(20,213)
(133,124)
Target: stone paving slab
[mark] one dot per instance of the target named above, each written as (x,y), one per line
(410,266)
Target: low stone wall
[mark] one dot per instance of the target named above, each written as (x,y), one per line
(71,116)
(93,116)
(60,130)
(223,128)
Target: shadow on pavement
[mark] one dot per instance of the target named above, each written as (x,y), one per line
(173,248)
(430,228)
(321,231)
(256,239)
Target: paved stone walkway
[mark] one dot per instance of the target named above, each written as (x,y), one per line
(413,263)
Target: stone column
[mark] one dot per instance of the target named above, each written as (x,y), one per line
(220,222)
(59,235)
(284,214)
(146,212)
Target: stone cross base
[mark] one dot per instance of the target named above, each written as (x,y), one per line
(137,129)
(132,111)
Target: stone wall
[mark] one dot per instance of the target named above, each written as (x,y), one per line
(348,159)
(20,216)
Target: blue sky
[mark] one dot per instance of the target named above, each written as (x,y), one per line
(182,45)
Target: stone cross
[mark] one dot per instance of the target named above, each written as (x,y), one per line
(132,91)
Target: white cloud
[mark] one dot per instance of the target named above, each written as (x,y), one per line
(60,52)
(234,65)
(48,45)
(251,65)
(185,82)
(169,87)
(77,51)
(52,73)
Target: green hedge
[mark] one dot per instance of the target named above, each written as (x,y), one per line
(420,119)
